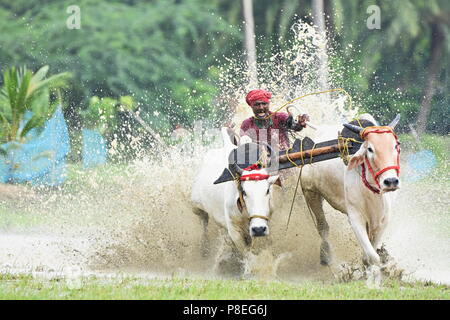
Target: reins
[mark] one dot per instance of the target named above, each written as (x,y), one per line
(299,180)
(311,94)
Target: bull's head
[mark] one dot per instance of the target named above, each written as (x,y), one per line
(255,186)
(380,152)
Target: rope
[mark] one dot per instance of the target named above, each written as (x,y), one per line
(293,199)
(301,150)
(298,179)
(344,149)
(310,94)
(302,159)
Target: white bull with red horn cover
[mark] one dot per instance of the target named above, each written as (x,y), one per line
(364,190)
(242,206)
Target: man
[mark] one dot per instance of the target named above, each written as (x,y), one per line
(267,126)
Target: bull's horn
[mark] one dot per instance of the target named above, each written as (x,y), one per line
(352,127)
(395,121)
(237,169)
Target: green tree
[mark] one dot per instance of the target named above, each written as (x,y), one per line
(390,69)
(159,52)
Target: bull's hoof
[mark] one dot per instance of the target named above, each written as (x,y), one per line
(370,261)
(230,268)
(384,255)
(325,261)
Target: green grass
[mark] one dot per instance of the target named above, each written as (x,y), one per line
(27,287)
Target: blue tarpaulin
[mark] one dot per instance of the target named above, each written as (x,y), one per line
(420,164)
(94,149)
(41,159)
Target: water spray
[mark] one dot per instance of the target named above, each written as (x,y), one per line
(308,123)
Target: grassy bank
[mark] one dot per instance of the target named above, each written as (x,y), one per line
(27,287)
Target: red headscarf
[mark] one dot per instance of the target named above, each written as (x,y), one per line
(258,94)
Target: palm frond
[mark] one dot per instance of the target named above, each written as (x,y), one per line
(39,75)
(53,82)
(35,122)
(24,91)
(10,84)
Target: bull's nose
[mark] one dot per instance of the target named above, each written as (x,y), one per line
(391,182)
(259,231)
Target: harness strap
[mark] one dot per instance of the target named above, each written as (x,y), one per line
(363,134)
(376,129)
(244,207)
(366,183)
(396,168)
(258,216)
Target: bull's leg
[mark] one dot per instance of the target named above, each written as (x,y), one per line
(378,232)
(359,226)
(240,238)
(315,200)
(228,261)
(376,241)
(204,242)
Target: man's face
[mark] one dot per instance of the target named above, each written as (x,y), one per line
(260,109)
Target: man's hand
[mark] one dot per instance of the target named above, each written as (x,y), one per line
(301,119)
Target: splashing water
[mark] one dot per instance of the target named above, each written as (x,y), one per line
(138,217)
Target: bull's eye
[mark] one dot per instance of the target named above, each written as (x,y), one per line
(370,149)
(244,193)
(268,189)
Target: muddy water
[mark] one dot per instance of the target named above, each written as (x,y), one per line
(138,220)
(141,221)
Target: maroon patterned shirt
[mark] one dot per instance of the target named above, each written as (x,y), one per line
(272,131)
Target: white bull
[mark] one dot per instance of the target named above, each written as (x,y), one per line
(367,204)
(221,201)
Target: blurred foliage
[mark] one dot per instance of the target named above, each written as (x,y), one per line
(111,118)
(100,115)
(439,145)
(23,92)
(164,53)
(386,69)
(158,52)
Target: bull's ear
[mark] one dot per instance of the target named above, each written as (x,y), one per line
(358,157)
(275,180)
(278,182)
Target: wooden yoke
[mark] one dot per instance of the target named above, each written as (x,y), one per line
(308,154)
(303,151)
